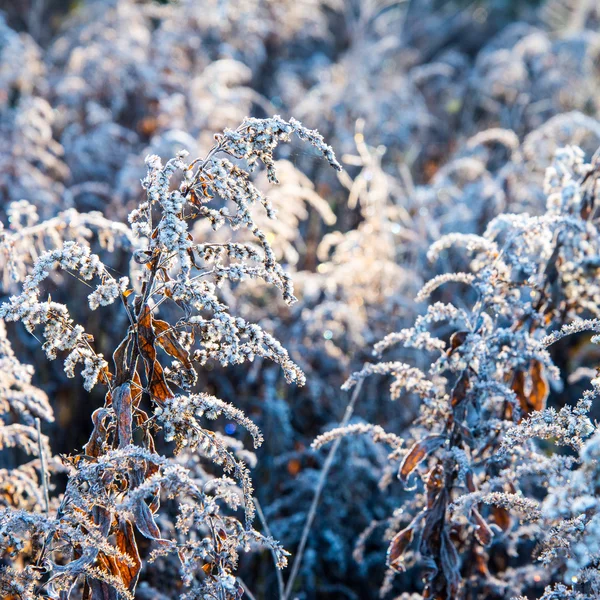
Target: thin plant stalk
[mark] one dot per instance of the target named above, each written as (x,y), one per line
(320,486)
(263,520)
(43,468)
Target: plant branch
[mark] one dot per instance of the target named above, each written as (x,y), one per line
(43,468)
(320,486)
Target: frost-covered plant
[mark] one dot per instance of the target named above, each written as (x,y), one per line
(22,406)
(485,391)
(86,89)
(88,545)
(365,285)
(26,237)
(24,488)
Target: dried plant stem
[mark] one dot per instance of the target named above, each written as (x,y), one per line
(263,520)
(320,486)
(247,591)
(43,468)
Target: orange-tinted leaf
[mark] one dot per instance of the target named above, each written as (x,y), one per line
(483,532)
(120,361)
(157,385)
(127,544)
(146,337)
(434,483)
(170,344)
(419,452)
(398,546)
(501,517)
(480,561)
(94,445)
(122,405)
(148,125)
(116,566)
(539,387)
(158,388)
(531,389)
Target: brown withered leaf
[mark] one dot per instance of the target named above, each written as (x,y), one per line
(102,518)
(459,392)
(589,185)
(518,387)
(139,474)
(398,546)
(419,451)
(483,532)
(120,361)
(480,559)
(431,538)
(204,186)
(469,481)
(136,388)
(127,544)
(157,385)
(93,447)
(122,405)
(437,549)
(434,523)
(158,388)
(146,337)
(457,339)
(434,482)
(99,590)
(539,387)
(535,398)
(501,517)
(115,565)
(170,344)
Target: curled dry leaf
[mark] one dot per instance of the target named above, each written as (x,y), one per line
(483,531)
(418,452)
(531,388)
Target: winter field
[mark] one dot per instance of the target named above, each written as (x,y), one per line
(299,299)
